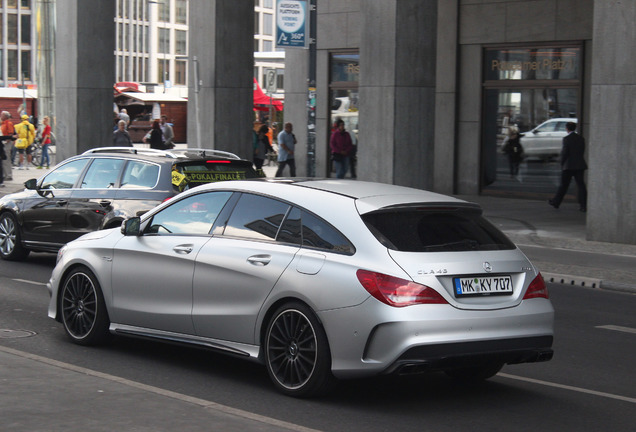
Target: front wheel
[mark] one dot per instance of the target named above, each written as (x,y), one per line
(84,313)
(11,248)
(297,352)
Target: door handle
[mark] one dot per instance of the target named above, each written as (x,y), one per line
(259,260)
(104,203)
(182,249)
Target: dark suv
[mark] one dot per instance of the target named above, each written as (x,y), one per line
(100,188)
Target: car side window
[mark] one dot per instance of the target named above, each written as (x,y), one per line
(138,174)
(102,174)
(548,127)
(65,176)
(256,217)
(193,215)
(303,228)
(320,235)
(560,127)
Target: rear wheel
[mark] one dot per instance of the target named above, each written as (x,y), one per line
(297,352)
(11,248)
(475,373)
(83,308)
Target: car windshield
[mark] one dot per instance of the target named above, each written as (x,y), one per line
(422,229)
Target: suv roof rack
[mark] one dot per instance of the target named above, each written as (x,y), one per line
(131,150)
(205,152)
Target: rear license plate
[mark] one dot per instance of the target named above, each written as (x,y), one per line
(483,285)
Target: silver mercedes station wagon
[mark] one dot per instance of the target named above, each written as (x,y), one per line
(318,280)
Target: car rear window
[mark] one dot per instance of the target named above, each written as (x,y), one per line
(195,173)
(422,229)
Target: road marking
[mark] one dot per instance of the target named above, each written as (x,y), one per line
(29,282)
(617,328)
(567,387)
(208,405)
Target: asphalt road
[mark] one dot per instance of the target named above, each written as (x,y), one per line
(589,385)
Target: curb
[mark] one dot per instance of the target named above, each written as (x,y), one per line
(587,282)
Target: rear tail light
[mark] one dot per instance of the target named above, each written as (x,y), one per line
(537,289)
(397,292)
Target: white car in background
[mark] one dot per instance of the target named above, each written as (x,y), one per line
(545,140)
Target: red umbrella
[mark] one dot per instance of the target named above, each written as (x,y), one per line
(262,101)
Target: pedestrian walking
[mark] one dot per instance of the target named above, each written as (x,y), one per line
(26,135)
(121,137)
(341,147)
(168,133)
(155,137)
(513,149)
(46,142)
(572,165)
(261,146)
(8,136)
(286,144)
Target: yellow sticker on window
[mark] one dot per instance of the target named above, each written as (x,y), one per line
(177,178)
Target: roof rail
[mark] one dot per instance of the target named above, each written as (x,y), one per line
(206,152)
(131,150)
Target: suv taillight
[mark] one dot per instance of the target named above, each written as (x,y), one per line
(396,291)
(537,289)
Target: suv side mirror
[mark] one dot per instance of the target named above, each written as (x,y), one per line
(131,227)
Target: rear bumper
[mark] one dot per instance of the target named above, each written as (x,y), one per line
(466,354)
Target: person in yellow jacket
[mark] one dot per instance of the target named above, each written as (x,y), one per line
(26,135)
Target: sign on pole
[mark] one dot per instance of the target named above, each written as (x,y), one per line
(292,23)
(270,81)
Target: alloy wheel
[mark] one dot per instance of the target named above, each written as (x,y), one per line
(292,349)
(79,305)
(7,235)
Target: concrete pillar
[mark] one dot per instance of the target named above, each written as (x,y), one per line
(397,91)
(84,75)
(445,97)
(220,113)
(611,149)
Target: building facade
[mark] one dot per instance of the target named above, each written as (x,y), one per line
(435,93)
(17,43)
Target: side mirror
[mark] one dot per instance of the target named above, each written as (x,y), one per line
(31,184)
(131,227)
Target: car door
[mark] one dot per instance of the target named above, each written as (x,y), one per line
(236,271)
(44,213)
(95,196)
(545,137)
(152,273)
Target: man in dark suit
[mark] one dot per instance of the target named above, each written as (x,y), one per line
(572,165)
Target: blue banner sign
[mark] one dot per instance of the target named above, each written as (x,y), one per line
(292,19)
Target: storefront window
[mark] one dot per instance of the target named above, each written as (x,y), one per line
(345,72)
(533,92)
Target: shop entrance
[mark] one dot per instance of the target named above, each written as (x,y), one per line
(534,93)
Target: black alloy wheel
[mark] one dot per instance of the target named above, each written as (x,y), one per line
(297,352)
(11,248)
(83,308)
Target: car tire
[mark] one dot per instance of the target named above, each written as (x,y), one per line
(475,373)
(297,352)
(11,248)
(83,309)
